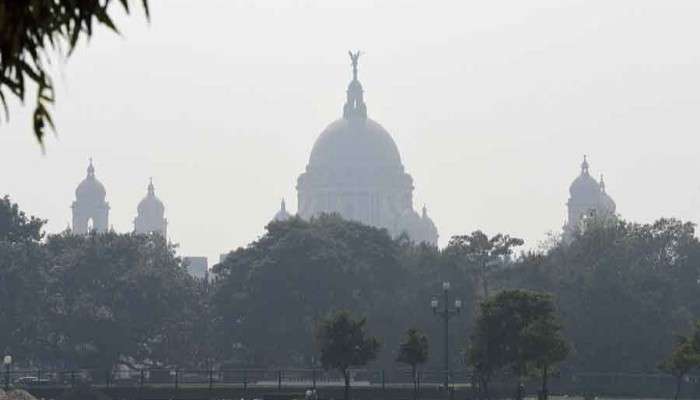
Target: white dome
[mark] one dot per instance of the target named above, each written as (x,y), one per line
(357,141)
(90,190)
(151,205)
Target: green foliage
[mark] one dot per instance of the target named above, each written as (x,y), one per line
(15,226)
(23,273)
(414,348)
(300,271)
(641,279)
(30,30)
(413,351)
(483,254)
(516,330)
(101,300)
(344,343)
(684,357)
(97,300)
(118,296)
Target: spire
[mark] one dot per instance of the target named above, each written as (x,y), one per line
(282,214)
(91,169)
(354,104)
(602,183)
(584,165)
(425,211)
(151,188)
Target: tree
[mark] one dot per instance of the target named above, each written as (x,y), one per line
(684,357)
(639,278)
(483,253)
(413,351)
(518,330)
(311,267)
(344,343)
(29,30)
(547,347)
(118,299)
(24,275)
(15,226)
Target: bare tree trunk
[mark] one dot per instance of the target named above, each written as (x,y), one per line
(415,382)
(679,382)
(485,387)
(545,391)
(519,392)
(484,280)
(346,375)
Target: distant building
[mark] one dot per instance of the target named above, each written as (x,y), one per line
(151,214)
(588,198)
(90,210)
(282,214)
(355,170)
(197,267)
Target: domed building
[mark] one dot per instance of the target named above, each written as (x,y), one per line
(355,170)
(151,214)
(90,210)
(588,198)
(282,214)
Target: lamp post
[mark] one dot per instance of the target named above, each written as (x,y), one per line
(7,361)
(446,313)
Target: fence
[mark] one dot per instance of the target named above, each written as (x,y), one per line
(605,384)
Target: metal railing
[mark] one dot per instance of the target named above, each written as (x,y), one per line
(269,378)
(610,384)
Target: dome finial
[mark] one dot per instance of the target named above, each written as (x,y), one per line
(282,214)
(151,188)
(91,168)
(584,164)
(354,105)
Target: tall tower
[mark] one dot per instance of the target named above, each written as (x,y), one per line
(151,214)
(90,210)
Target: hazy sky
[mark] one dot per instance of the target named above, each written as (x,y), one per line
(491,103)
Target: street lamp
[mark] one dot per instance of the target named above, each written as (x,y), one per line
(7,361)
(446,313)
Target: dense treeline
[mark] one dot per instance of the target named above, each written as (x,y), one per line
(623,291)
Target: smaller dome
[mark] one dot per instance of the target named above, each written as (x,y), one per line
(420,229)
(90,189)
(282,214)
(607,202)
(151,205)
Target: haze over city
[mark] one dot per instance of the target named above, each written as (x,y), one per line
(492,106)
